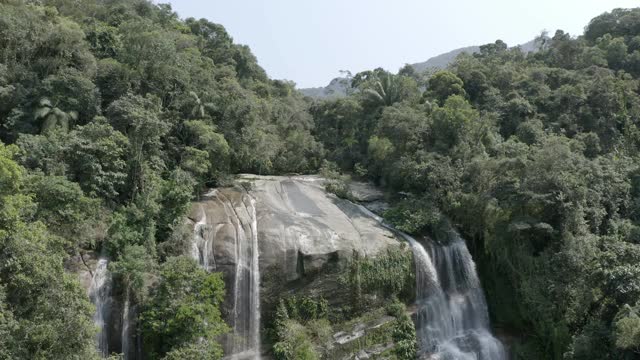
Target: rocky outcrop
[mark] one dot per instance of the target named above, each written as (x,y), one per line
(301,228)
(305,236)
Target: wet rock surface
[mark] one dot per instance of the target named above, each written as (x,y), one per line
(301,228)
(304,236)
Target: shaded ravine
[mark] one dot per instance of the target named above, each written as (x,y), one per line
(244,342)
(115,320)
(452,320)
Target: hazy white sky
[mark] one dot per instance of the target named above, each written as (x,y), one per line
(309,41)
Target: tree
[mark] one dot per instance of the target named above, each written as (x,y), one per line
(175,200)
(208,153)
(139,119)
(628,330)
(184,310)
(31,267)
(65,209)
(132,271)
(114,80)
(386,89)
(404,335)
(442,85)
(451,121)
(51,117)
(96,157)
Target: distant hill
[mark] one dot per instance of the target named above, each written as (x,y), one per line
(339,86)
(443,60)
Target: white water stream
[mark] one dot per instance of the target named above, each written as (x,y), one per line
(100,295)
(452,318)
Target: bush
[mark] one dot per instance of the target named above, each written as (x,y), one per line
(294,343)
(335,182)
(395,308)
(404,336)
(414,216)
(302,308)
(390,275)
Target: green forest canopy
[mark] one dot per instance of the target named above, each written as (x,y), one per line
(115,114)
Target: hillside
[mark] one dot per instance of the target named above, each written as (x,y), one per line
(163,198)
(338,87)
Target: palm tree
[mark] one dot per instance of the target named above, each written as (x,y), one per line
(198,108)
(386,89)
(51,116)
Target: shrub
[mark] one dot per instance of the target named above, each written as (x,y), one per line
(404,336)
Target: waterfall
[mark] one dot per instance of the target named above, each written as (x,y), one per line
(452,317)
(246,297)
(255,282)
(199,245)
(125,335)
(203,235)
(99,293)
(244,342)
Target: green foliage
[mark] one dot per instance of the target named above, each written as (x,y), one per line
(201,350)
(45,153)
(294,343)
(533,156)
(628,330)
(297,321)
(451,122)
(139,119)
(396,308)
(335,182)
(183,311)
(340,127)
(175,200)
(92,155)
(301,308)
(39,302)
(96,158)
(442,85)
(62,205)
(414,216)
(10,173)
(132,225)
(212,146)
(404,336)
(385,89)
(177,243)
(132,271)
(390,275)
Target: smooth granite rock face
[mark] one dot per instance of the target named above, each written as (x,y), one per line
(301,228)
(303,235)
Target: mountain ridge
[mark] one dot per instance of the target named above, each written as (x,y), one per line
(339,86)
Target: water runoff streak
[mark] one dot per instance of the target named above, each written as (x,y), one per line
(244,342)
(452,317)
(129,322)
(100,295)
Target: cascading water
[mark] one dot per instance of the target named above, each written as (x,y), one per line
(100,295)
(255,280)
(244,342)
(246,298)
(125,335)
(452,318)
(453,321)
(202,241)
